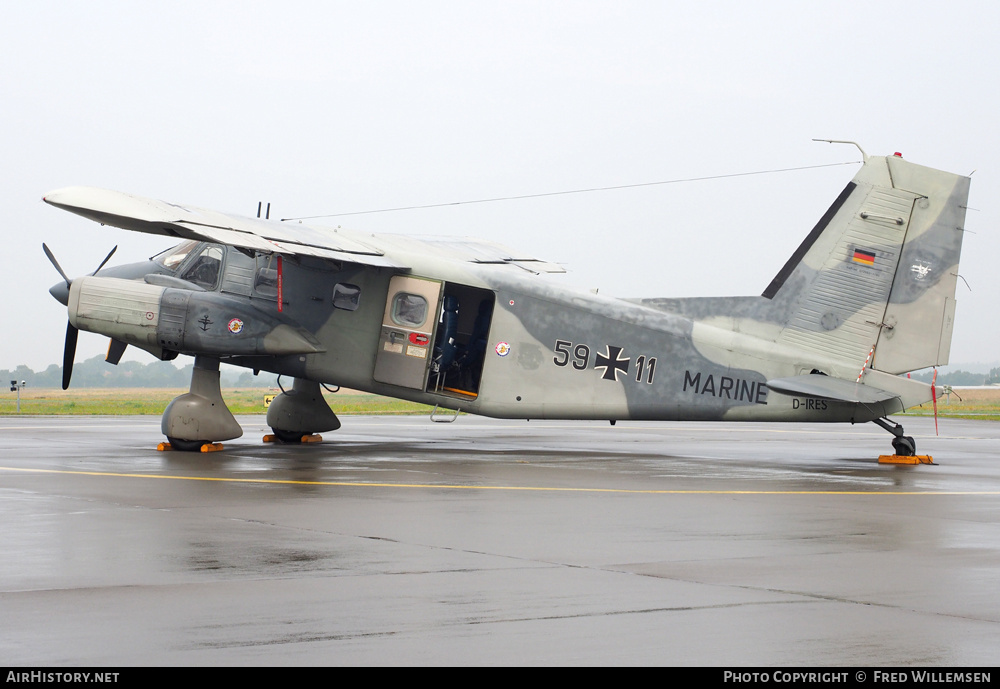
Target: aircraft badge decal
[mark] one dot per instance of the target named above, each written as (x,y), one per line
(920,270)
(865,257)
(611,363)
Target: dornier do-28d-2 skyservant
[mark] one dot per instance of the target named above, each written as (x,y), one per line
(472,325)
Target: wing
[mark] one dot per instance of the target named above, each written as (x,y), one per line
(140,214)
(468,250)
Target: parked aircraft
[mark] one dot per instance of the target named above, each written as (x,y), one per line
(474,326)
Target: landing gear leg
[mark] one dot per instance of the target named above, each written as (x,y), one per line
(902,445)
(200,417)
(297,415)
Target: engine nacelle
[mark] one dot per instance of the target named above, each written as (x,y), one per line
(187,321)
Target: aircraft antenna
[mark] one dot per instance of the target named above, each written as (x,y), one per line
(853,143)
(578,191)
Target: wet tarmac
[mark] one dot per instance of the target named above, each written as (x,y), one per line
(401,541)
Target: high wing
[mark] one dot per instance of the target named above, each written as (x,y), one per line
(140,214)
(151,216)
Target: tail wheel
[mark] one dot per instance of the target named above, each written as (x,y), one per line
(904,446)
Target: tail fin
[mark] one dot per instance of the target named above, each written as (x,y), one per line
(879,270)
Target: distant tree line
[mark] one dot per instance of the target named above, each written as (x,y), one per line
(97,373)
(961,378)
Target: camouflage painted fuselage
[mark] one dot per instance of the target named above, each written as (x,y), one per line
(871,289)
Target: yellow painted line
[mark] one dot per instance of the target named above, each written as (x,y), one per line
(434,486)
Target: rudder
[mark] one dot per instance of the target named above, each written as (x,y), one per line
(878,270)
(920,315)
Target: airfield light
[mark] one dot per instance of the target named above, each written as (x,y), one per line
(14,387)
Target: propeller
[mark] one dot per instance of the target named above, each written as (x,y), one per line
(55,263)
(72,333)
(69,352)
(106,259)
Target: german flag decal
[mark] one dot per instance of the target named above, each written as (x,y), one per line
(864,257)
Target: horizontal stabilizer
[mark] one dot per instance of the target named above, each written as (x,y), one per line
(828,388)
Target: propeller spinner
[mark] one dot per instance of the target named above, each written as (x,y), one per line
(61,295)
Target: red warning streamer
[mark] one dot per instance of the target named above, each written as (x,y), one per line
(934,398)
(281,297)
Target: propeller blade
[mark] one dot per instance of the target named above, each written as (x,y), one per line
(115,350)
(106,259)
(68,354)
(55,263)
(934,398)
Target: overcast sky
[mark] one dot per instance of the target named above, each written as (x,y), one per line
(339,107)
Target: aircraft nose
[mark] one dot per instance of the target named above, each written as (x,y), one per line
(60,291)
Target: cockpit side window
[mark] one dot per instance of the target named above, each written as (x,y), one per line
(173,257)
(205,269)
(265,281)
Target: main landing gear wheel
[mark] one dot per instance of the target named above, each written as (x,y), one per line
(298,415)
(186,445)
(288,436)
(200,418)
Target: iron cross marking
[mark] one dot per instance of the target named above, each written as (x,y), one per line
(611,364)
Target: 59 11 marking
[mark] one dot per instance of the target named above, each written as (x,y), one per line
(612,361)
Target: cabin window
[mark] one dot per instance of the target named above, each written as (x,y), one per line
(409,310)
(346,296)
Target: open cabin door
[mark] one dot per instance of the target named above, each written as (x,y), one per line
(461,340)
(405,345)
(434,336)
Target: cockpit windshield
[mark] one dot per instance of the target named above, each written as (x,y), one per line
(171,258)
